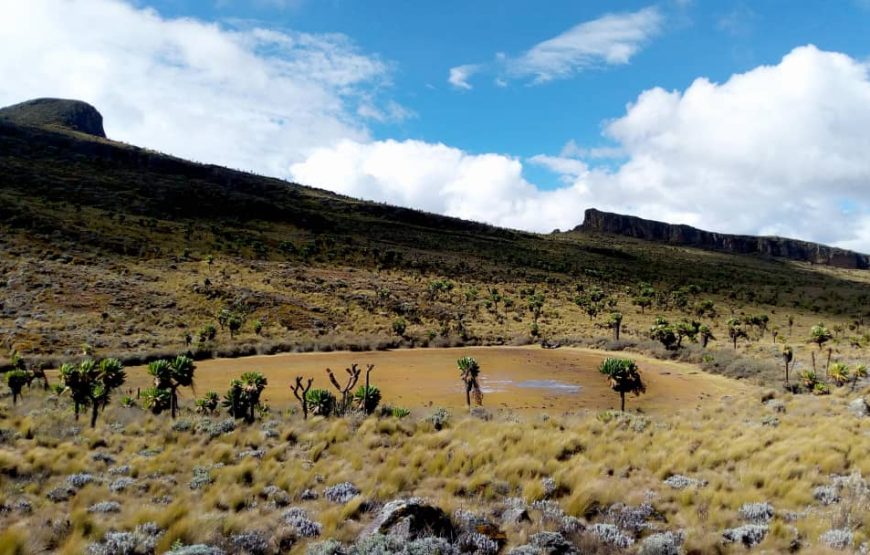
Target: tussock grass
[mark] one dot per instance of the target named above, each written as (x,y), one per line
(594,461)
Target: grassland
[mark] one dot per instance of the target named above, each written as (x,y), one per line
(109,250)
(739,449)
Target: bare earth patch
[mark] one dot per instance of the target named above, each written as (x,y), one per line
(516,378)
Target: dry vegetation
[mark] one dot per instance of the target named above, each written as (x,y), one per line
(111,251)
(202,486)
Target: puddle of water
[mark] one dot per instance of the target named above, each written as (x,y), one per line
(549,384)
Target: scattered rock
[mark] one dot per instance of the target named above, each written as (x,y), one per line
(412,518)
(515,515)
(859,407)
(776,405)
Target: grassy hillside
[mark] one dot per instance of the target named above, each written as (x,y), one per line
(128,251)
(112,250)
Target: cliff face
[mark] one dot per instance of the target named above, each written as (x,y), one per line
(58,112)
(631,226)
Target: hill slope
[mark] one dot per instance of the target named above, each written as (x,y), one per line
(129,250)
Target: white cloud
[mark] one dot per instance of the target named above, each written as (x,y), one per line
(460,75)
(612,39)
(777,150)
(250,98)
(568,168)
(609,40)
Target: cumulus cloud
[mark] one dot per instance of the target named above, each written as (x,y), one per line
(249,98)
(779,149)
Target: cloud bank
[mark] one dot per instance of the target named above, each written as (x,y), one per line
(779,150)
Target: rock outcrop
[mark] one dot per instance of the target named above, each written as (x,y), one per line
(596,221)
(74,115)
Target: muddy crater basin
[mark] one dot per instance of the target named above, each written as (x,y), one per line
(514,378)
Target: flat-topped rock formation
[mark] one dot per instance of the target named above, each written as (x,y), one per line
(677,234)
(73,115)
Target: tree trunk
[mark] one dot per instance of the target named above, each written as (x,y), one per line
(366,396)
(94,411)
(734,340)
(304,409)
(828,363)
(14,398)
(616,331)
(173,403)
(622,401)
(251,417)
(468,395)
(704,340)
(77,410)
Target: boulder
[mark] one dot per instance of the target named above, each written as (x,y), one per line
(859,407)
(412,518)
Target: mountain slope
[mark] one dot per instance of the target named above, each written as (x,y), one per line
(129,250)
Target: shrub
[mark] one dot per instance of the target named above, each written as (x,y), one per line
(757,513)
(320,402)
(374,398)
(439,418)
(341,493)
(837,539)
(749,535)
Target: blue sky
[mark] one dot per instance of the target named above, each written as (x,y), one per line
(423,40)
(746,117)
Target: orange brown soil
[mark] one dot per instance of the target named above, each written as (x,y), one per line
(515,378)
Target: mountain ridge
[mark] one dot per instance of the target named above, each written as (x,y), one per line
(596,221)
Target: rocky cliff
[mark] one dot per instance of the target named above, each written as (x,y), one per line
(74,115)
(792,249)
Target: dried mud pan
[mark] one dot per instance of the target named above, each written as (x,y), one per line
(514,378)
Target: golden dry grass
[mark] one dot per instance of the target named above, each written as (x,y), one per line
(596,459)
